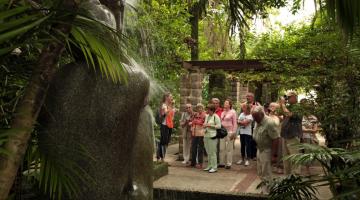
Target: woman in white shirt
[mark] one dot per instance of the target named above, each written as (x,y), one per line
(244,122)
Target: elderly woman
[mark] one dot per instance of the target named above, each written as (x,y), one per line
(274,115)
(244,121)
(212,122)
(229,122)
(198,131)
(185,120)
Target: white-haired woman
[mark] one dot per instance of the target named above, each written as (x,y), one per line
(197,142)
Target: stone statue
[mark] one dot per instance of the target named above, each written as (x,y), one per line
(108,124)
(102,129)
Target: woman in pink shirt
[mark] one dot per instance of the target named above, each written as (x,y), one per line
(228,121)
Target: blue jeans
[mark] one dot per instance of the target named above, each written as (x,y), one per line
(245,141)
(165,136)
(197,150)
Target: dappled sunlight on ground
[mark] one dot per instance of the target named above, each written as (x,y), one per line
(238,179)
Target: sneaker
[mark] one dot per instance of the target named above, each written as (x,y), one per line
(247,163)
(212,170)
(207,169)
(240,162)
(228,167)
(199,166)
(221,166)
(184,162)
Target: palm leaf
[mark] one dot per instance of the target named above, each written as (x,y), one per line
(4,37)
(290,187)
(13,12)
(58,176)
(102,44)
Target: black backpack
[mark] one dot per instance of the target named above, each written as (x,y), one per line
(159,118)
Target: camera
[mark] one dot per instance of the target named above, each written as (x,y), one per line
(286,97)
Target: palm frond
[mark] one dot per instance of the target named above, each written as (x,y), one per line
(18,31)
(58,176)
(290,187)
(100,44)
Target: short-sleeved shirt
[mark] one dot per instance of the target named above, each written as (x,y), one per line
(291,126)
(265,132)
(245,129)
(164,108)
(309,122)
(213,120)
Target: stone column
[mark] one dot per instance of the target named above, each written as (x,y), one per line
(196,78)
(190,92)
(185,90)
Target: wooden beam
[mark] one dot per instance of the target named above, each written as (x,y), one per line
(227,65)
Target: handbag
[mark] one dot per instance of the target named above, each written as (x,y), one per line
(221,132)
(159,118)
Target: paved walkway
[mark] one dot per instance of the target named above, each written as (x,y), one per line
(238,179)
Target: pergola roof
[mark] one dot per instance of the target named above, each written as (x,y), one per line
(227,65)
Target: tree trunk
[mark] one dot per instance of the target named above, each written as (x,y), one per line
(194,22)
(29,107)
(242,53)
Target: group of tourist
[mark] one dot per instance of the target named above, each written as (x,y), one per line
(267,134)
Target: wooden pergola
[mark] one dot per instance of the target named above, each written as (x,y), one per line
(227,65)
(191,82)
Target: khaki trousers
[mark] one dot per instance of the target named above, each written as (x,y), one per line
(264,169)
(210,146)
(186,148)
(290,149)
(263,162)
(226,151)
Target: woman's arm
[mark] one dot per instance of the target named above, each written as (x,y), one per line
(234,122)
(164,109)
(183,120)
(244,122)
(217,122)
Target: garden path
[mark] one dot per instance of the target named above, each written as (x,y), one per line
(239,179)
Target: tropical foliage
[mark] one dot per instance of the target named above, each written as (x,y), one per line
(341,174)
(38,36)
(44,35)
(317,57)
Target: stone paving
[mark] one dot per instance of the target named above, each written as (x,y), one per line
(238,179)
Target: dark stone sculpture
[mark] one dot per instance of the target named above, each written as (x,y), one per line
(84,110)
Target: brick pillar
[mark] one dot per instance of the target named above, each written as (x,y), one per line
(190,92)
(196,79)
(185,90)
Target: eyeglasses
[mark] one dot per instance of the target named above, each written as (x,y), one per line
(188,107)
